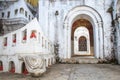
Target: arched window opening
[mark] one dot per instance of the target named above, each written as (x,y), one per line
(12,67)
(3,14)
(29,17)
(5,41)
(22,10)
(8,15)
(1,66)
(16,11)
(24,36)
(33,34)
(82,44)
(24,70)
(14,40)
(25,13)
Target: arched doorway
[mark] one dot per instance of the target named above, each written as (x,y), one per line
(24,70)
(91,15)
(1,66)
(82,38)
(11,67)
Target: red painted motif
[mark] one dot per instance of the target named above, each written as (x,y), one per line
(33,35)
(1,68)
(14,41)
(5,44)
(12,70)
(25,72)
(25,37)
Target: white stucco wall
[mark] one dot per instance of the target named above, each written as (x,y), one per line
(116,11)
(40,45)
(47,14)
(17,5)
(30,46)
(57,27)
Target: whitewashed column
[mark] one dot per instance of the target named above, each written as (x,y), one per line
(65,40)
(68,42)
(119,26)
(101,40)
(118,45)
(96,41)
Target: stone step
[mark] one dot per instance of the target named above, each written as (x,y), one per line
(81,60)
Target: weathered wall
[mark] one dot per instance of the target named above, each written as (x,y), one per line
(116,28)
(14,21)
(52,23)
(37,45)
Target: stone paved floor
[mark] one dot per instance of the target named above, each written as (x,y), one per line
(72,72)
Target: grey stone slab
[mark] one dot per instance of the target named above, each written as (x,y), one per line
(72,72)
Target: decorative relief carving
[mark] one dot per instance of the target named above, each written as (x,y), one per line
(35,65)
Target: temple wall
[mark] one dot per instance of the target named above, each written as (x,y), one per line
(54,13)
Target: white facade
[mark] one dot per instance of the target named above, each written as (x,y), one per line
(15,16)
(22,37)
(68,12)
(14,51)
(56,26)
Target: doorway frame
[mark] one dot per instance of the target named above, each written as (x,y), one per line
(97,23)
(81,31)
